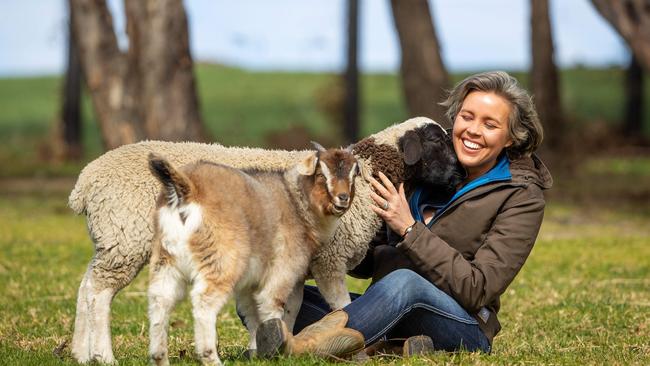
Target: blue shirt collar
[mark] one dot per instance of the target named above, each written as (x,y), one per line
(499,172)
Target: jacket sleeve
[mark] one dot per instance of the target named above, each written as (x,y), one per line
(479,280)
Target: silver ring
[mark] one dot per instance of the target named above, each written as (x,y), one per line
(385,205)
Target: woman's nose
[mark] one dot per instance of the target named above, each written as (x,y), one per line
(474,128)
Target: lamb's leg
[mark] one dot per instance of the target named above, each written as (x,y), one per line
(103,279)
(81,338)
(92,335)
(292,306)
(247,307)
(207,301)
(166,289)
(100,324)
(331,285)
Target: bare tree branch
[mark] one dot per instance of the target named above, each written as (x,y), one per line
(631,19)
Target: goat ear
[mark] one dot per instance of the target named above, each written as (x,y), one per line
(318,146)
(412,147)
(308,165)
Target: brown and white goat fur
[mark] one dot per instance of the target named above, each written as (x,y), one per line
(222,230)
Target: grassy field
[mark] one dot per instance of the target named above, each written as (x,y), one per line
(582,298)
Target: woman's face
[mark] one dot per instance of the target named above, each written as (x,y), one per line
(481,131)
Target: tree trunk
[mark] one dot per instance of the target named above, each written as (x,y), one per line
(351,113)
(67,144)
(544,77)
(424,77)
(631,19)
(171,103)
(114,96)
(149,92)
(632,125)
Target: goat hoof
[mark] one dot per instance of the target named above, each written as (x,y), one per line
(271,338)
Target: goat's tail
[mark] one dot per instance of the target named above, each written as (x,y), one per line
(176,185)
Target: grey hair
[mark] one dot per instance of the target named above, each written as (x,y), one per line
(524,126)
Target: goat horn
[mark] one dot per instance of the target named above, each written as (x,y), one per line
(318,146)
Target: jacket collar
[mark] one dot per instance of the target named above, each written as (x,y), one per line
(500,172)
(522,171)
(531,170)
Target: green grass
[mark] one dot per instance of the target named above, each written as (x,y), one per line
(582,297)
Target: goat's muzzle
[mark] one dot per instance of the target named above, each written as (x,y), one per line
(340,204)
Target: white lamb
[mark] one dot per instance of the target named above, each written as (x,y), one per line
(117,194)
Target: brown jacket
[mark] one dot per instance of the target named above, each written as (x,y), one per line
(477,245)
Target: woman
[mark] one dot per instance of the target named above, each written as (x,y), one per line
(453,260)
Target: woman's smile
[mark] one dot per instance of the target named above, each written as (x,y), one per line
(481,131)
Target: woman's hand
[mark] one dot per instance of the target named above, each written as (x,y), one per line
(391,204)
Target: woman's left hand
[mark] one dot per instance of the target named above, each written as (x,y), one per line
(391,204)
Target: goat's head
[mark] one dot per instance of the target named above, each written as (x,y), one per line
(428,151)
(329,179)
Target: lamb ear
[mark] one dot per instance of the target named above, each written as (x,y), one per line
(412,147)
(363,172)
(308,165)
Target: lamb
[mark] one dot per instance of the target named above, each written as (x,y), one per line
(253,233)
(117,195)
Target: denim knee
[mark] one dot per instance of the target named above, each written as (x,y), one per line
(403,283)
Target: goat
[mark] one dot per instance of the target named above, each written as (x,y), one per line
(226,230)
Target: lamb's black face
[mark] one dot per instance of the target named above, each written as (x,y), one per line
(429,150)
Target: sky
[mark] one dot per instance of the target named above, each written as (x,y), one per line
(308,35)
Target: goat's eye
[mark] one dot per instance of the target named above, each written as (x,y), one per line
(320,175)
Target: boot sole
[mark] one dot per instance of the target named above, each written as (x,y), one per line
(270,339)
(418,345)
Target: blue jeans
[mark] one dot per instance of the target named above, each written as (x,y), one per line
(401,305)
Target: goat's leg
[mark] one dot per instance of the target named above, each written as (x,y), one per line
(207,301)
(331,284)
(292,306)
(247,308)
(281,281)
(166,288)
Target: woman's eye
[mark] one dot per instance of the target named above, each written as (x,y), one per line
(490,126)
(466,118)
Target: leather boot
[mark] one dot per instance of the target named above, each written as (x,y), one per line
(418,346)
(393,346)
(326,337)
(405,347)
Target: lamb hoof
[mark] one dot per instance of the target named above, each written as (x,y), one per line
(104,359)
(250,354)
(160,359)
